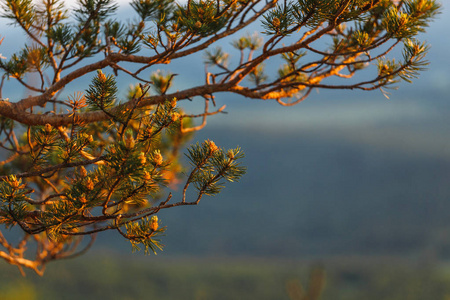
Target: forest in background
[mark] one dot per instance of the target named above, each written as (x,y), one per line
(108,276)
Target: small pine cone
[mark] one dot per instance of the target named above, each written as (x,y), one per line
(276,22)
(101,76)
(15,183)
(154,223)
(212,146)
(173,103)
(198,24)
(90,184)
(157,158)
(142,158)
(147,176)
(175,116)
(230,154)
(48,128)
(83,200)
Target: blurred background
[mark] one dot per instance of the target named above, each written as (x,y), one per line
(348,182)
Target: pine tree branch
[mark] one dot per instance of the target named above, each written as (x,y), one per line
(55,168)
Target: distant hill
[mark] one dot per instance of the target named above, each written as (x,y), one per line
(308,194)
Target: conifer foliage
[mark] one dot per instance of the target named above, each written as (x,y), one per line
(96,160)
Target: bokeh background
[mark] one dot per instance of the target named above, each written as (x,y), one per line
(350,181)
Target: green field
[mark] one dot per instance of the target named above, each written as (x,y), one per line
(118,277)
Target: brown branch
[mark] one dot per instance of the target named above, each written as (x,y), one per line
(11,111)
(297,101)
(22,262)
(55,168)
(201,126)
